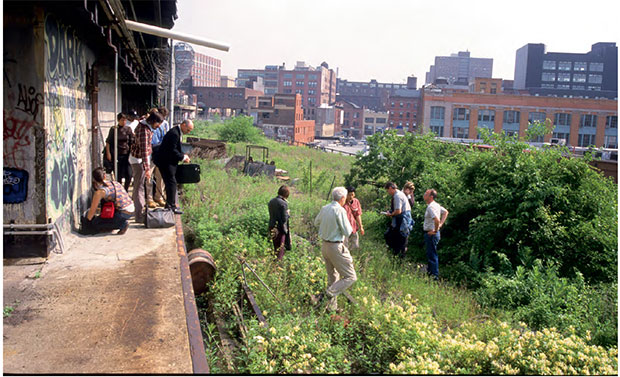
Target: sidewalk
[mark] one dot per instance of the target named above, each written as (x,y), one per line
(109,304)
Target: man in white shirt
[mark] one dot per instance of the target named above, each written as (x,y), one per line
(334,226)
(434,218)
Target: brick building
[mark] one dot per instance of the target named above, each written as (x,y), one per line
(403,107)
(204,70)
(353,119)
(238,100)
(316,85)
(580,121)
(227,82)
(281,117)
(372,95)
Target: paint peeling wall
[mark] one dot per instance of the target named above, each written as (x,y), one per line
(68,121)
(23,119)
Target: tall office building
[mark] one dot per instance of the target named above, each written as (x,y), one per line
(459,68)
(590,75)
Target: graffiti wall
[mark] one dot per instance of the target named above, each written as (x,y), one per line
(68,117)
(23,122)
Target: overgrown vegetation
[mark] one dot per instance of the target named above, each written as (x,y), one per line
(403,323)
(512,209)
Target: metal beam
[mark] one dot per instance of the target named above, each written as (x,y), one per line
(165,33)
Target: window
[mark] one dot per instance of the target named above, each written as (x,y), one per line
(493,90)
(562,119)
(400,115)
(547,85)
(564,66)
(299,83)
(548,64)
(579,87)
(594,87)
(579,77)
(311,92)
(381,120)
(288,75)
(580,66)
(561,135)
(548,76)
(563,86)
(356,115)
(536,116)
(596,67)
(380,85)
(611,121)
(460,113)
(299,91)
(437,112)
(510,133)
(401,104)
(288,83)
(563,77)
(585,140)
(437,130)
(511,116)
(595,79)
(611,142)
(312,84)
(460,132)
(287,91)
(587,120)
(408,115)
(369,120)
(314,77)
(300,76)
(486,116)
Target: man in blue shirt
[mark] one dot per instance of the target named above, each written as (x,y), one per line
(334,226)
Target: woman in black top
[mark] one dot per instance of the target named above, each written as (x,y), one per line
(125,139)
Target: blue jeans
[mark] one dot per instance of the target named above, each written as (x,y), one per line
(119,221)
(431,252)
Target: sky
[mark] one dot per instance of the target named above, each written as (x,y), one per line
(389,40)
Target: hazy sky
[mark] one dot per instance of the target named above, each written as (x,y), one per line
(389,40)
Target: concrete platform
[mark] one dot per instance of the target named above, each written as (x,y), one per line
(109,304)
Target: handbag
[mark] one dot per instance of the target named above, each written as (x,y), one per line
(159,217)
(107,209)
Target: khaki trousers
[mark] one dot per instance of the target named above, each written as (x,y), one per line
(353,241)
(139,177)
(340,271)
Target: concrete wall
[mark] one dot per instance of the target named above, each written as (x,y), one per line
(67,123)
(23,118)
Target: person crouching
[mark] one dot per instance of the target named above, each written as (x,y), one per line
(110,191)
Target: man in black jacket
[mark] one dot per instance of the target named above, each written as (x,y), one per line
(168,157)
(278,222)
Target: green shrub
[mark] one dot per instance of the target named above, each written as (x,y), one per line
(239,129)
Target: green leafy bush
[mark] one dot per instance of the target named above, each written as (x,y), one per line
(239,129)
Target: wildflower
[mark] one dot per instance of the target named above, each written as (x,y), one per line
(272,330)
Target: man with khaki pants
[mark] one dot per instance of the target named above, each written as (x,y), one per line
(333,227)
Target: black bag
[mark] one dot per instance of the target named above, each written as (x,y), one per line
(86,226)
(158,217)
(108,165)
(188,173)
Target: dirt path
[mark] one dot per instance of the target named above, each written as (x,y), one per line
(110,304)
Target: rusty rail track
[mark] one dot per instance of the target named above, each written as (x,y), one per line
(196,342)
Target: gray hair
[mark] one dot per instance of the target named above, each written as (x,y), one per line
(339,193)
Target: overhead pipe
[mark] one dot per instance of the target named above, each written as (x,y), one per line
(165,33)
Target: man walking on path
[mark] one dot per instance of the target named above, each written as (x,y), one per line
(167,159)
(333,228)
(354,214)
(154,199)
(278,222)
(434,218)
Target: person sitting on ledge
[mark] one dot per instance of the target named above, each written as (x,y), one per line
(110,191)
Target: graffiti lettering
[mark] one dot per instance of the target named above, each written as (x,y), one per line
(65,52)
(29,100)
(16,134)
(63,181)
(15,185)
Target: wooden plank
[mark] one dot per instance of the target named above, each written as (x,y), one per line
(252,301)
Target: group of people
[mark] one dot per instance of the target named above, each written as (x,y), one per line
(340,225)
(146,148)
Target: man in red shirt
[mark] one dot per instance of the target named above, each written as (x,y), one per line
(354,214)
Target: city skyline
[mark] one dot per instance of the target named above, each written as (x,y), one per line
(394,40)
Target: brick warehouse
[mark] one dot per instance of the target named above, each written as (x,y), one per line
(581,121)
(239,100)
(281,117)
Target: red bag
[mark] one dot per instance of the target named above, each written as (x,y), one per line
(107,210)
